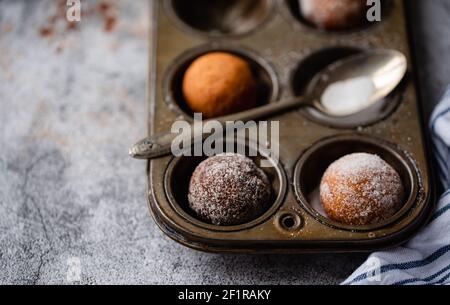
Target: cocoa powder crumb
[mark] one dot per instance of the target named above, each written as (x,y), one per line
(109,15)
(105,9)
(46,31)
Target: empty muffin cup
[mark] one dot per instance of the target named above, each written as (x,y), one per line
(219,17)
(180,170)
(313,163)
(306,70)
(266,80)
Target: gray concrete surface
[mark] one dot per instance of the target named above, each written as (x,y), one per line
(71,103)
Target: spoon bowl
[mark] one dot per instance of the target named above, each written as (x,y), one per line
(384,69)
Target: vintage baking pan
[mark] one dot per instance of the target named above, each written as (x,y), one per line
(285,53)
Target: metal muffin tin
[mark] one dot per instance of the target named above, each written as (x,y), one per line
(284,53)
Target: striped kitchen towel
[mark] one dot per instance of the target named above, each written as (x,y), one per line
(425,260)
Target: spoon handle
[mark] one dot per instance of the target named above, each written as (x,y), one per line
(264,111)
(159,145)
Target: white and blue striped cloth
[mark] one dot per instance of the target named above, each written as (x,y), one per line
(425,260)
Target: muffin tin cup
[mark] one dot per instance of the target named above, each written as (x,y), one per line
(180,169)
(312,165)
(285,55)
(291,10)
(263,72)
(219,18)
(315,62)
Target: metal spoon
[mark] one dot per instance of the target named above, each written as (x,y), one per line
(386,68)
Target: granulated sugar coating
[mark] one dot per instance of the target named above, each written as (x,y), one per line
(229,189)
(361,189)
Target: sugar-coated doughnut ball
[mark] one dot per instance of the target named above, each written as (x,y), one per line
(229,189)
(334,14)
(361,189)
(218,84)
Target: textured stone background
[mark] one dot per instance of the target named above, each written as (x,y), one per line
(71,103)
